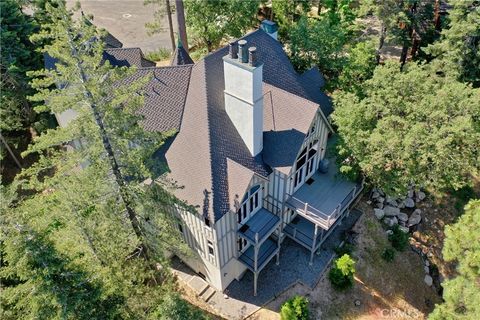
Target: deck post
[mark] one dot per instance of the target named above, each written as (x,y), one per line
(278,244)
(315,233)
(255,278)
(306,208)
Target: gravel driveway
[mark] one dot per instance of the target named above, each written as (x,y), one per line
(125,19)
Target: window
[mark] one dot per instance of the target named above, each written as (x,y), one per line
(207,221)
(250,204)
(242,244)
(210,248)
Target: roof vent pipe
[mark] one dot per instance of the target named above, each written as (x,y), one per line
(233,50)
(242,51)
(252,56)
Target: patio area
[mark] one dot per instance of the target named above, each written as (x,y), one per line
(274,279)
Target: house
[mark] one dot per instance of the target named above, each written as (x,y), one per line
(248,156)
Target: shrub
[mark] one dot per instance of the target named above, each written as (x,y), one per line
(173,307)
(158,55)
(388,254)
(347,248)
(295,308)
(341,274)
(399,239)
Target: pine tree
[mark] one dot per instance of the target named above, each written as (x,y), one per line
(462,244)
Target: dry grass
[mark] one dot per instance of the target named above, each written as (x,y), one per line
(385,290)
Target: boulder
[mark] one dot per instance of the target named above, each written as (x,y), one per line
(428,280)
(409,203)
(391,201)
(415,218)
(427,263)
(420,195)
(401,205)
(402,216)
(389,232)
(391,221)
(391,211)
(410,193)
(379,213)
(426,269)
(403,229)
(379,205)
(375,195)
(381,199)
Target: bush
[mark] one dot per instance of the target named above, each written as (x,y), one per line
(388,254)
(295,308)
(399,239)
(158,55)
(347,248)
(341,274)
(173,307)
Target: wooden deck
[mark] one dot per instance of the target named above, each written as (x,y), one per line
(265,253)
(260,226)
(324,199)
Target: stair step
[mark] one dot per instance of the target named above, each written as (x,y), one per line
(202,291)
(208,294)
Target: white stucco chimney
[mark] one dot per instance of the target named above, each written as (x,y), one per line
(244,95)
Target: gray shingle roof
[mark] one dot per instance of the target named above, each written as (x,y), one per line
(198,157)
(111,41)
(127,57)
(165,96)
(180,57)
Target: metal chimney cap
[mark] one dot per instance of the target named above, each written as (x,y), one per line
(252,56)
(252,49)
(233,50)
(242,42)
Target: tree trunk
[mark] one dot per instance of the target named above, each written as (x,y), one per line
(170,24)
(381,42)
(124,194)
(438,24)
(415,44)
(182,29)
(404,54)
(15,159)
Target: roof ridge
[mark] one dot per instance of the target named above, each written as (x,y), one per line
(164,67)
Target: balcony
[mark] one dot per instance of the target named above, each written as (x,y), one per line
(259,226)
(324,197)
(267,250)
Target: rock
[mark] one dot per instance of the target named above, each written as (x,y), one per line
(427,269)
(381,192)
(427,263)
(379,205)
(391,211)
(391,201)
(409,203)
(402,216)
(415,218)
(389,232)
(369,202)
(401,205)
(391,221)
(420,195)
(375,195)
(410,193)
(428,280)
(381,199)
(379,213)
(403,229)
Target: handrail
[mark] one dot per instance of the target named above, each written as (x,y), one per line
(317,214)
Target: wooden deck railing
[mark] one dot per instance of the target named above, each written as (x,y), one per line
(323,219)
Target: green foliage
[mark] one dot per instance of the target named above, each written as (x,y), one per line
(157,25)
(158,55)
(211,21)
(287,13)
(341,274)
(399,239)
(388,254)
(359,66)
(409,126)
(462,196)
(347,248)
(462,244)
(70,250)
(173,307)
(457,53)
(295,308)
(17,56)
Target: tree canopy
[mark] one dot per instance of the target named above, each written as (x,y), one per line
(211,21)
(462,244)
(408,127)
